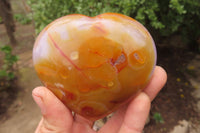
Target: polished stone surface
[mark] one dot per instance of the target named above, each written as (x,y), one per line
(94,64)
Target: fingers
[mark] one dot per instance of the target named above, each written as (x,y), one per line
(82,120)
(113,125)
(158,80)
(136,115)
(82,125)
(56,117)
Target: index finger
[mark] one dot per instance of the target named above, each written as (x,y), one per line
(158,80)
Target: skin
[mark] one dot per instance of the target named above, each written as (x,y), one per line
(131,118)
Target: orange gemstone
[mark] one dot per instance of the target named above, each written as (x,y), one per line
(94,64)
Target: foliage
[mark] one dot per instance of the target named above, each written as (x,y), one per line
(166,16)
(23,19)
(1,19)
(158,117)
(7,73)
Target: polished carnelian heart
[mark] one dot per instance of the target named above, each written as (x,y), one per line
(94,64)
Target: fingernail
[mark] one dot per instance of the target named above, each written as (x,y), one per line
(38,94)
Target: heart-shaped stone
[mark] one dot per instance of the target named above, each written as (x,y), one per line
(94,64)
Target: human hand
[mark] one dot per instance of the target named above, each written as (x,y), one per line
(130,118)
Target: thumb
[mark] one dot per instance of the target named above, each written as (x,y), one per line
(56,116)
